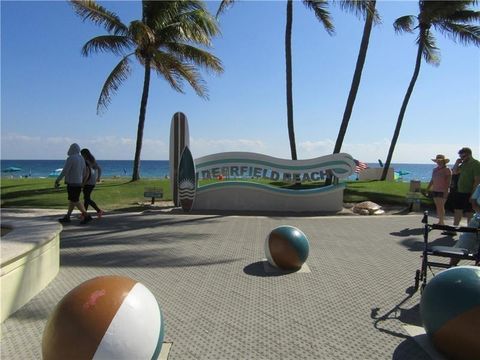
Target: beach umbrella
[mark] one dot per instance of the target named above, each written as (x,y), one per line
(55,173)
(12,169)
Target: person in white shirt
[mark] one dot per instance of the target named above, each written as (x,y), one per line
(74,172)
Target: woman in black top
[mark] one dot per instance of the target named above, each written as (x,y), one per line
(95,173)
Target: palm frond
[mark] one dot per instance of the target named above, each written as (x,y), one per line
(141,34)
(463,16)
(224,5)
(156,14)
(361,8)
(431,53)
(176,71)
(192,54)
(193,77)
(114,80)
(115,44)
(404,24)
(320,8)
(182,29)
(162,63)
(186,20)
(198,26)
(90,10)
(462,33)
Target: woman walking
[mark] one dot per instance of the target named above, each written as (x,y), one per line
(95,172)
(74,171)
(440,183)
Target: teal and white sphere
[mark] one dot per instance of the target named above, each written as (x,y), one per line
(450,311)
(287,247)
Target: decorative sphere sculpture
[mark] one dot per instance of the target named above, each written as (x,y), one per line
(108,317)
(450,311)
(286,247)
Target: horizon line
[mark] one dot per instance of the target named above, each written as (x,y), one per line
(63,159)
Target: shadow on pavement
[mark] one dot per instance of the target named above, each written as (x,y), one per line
(135,240)
(408,350)
(410,316)
(258,269)
(417,244)
(136,258)
(408,232)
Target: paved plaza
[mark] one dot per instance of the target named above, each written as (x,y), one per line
(219,302)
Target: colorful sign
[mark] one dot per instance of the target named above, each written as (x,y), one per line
(236,165)
(253,196)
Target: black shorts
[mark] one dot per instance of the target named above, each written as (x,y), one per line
(74,193)
(461,201)
(438,194)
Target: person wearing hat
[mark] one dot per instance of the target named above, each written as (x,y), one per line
(439,185)
(468,169)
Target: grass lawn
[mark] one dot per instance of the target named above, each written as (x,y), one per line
(110,194)
(121,194)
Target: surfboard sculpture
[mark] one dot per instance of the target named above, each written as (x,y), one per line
(186,180)
(179,138)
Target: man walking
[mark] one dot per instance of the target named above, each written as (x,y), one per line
(74,172)
(469,170)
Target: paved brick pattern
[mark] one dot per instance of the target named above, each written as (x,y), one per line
(219,303)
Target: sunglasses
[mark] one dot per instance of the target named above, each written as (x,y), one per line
(462,155)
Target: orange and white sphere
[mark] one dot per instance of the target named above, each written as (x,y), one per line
(108,317)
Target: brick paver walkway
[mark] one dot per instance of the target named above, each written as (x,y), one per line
(206,272)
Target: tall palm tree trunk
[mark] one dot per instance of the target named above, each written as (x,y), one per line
(288,58)
(362,54)
(357,75)
(141,122)
(396,133)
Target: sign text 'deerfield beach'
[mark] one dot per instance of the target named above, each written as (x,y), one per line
(253,165)
(260,172)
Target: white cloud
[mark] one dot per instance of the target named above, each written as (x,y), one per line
(311,149)
(202,147)
(21,146)
(371,152)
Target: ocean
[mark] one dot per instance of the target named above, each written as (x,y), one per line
(110,168)
(161,169)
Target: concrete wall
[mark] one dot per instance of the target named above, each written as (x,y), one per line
(248,196)
(30,259)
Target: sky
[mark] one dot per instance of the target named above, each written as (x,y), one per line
(49,91)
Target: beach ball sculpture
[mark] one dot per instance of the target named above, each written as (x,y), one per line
(108,317)
(450,311)
(286,247)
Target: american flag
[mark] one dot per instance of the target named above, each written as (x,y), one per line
(359,166)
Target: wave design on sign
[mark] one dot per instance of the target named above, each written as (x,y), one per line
(247,164)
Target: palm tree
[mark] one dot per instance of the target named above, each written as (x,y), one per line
(366,8)
(319,7)
(164,41)
(453,19)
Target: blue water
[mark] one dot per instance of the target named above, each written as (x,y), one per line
(110,168)
(160,168)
